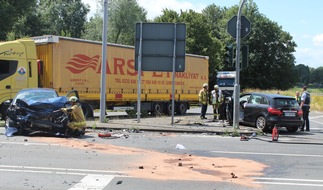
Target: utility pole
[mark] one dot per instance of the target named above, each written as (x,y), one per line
(103,66)
(237,81)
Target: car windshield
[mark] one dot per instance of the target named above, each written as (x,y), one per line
(283,102)
(36,95)
(226,82)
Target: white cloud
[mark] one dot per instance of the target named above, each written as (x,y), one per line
(318,40)
(309,56)
(154,8)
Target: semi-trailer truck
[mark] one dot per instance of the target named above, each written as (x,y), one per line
(66,64)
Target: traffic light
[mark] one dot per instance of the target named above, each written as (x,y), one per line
(228,55)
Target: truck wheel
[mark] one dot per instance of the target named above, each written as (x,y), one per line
(168,108)
(182,108)
(158,108)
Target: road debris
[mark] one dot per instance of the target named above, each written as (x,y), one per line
(234,175)
(111,135)
(180,147)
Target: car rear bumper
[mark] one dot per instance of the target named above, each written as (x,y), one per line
(284,123)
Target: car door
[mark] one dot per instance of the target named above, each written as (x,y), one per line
(243,101)
(253,108)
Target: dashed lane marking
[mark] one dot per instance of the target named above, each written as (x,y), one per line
(270,154)
(289,181)
(93,182)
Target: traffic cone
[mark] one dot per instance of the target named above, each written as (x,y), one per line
(275,134)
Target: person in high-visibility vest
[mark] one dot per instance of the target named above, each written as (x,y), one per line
(204,99)
(216,98)
(78,123)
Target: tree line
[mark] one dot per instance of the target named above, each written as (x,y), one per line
(271,60)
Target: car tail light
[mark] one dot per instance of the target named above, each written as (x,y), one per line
(275,111)
(300,113)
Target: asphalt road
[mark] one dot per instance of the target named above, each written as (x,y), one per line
(91,162)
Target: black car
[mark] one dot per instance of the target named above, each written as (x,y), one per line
(265,110)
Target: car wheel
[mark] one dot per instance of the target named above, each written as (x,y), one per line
(292,129)
(261,123)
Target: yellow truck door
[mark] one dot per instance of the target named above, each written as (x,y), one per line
(17,61)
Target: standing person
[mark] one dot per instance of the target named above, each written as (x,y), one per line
(216,98)
(305,106)
(77,124)
(204,99)
(298,97)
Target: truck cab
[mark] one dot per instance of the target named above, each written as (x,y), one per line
(18,69)
(226,80)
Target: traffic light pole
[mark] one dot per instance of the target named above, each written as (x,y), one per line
(237,81)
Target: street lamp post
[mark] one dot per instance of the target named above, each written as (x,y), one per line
(237,81)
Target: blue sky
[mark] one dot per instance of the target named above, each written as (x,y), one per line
(300,18)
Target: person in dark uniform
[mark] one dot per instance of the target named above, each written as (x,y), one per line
(305,106)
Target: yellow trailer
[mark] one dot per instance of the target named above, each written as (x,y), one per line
(75,64)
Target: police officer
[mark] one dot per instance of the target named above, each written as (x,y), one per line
(78,123)
(305,106)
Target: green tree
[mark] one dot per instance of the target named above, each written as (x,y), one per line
(10,12)
(123,16)
(168,15)
(93,28)
(198,37)
(62,17)
(317,76)
(271,59)
(303,74)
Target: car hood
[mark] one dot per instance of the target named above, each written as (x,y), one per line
(49,104)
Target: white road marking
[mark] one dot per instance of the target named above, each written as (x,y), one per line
(292,184)
(288,181)
(57,169)
(314,117)
(28,144)
(316,122)
(270,154)
(93,182)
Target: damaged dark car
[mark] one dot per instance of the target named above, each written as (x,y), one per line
(36,111)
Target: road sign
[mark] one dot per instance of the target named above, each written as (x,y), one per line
(158,46)
(245,26)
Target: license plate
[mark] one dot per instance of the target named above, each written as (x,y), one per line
(289,114)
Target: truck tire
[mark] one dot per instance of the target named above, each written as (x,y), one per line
(168,108)
(158,109)
(181,108)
